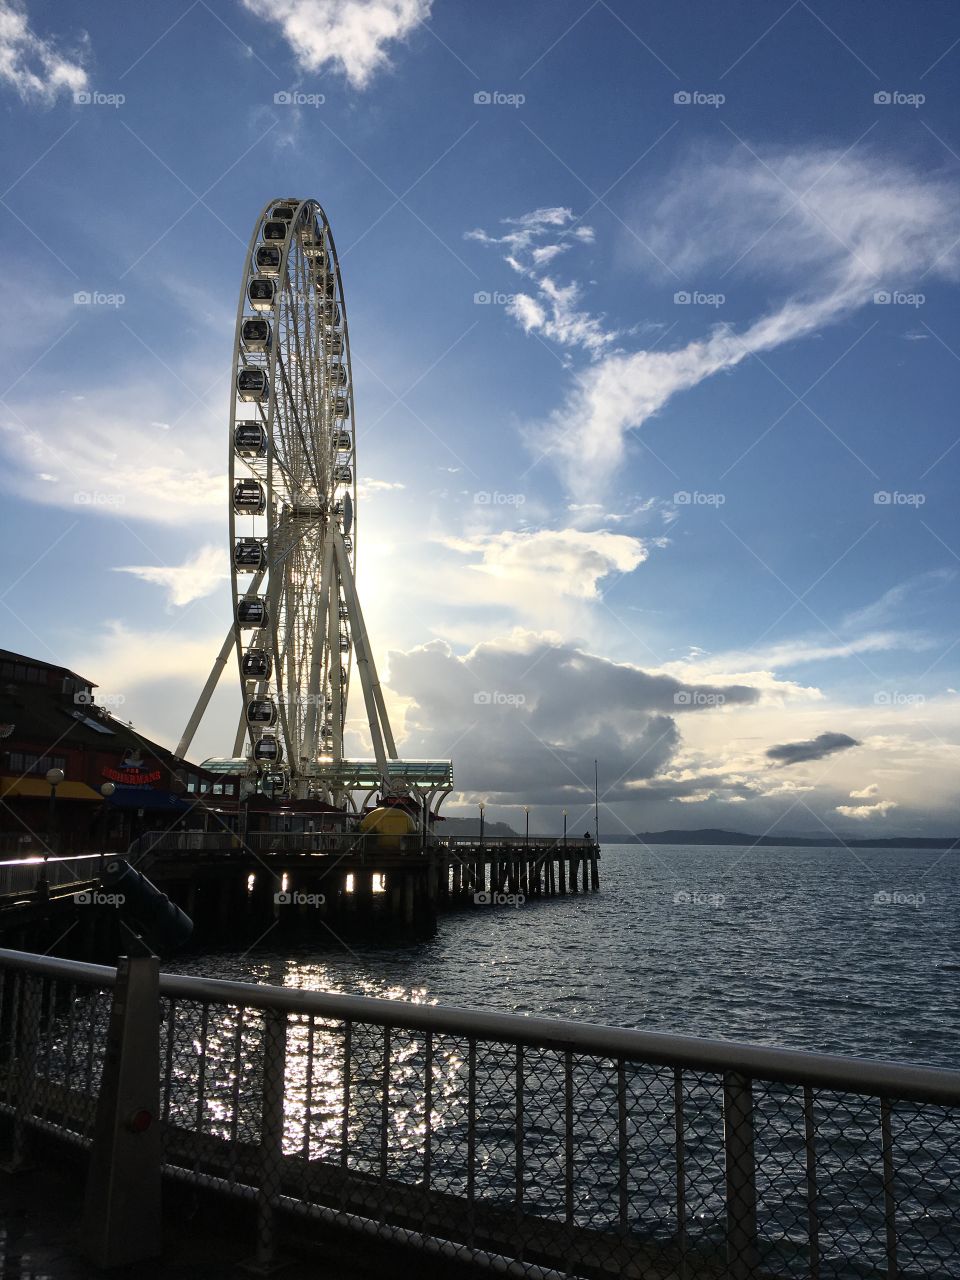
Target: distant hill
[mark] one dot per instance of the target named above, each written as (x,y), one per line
(454,828)
(716,835)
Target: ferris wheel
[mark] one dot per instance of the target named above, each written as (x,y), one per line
(297,630)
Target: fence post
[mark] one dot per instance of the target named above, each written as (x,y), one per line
(742,1259)
(271,1138)
(27,1013)
(121,1213)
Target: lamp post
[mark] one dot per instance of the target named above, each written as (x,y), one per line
(481,822)
(564,826)
(106,790)
(54,778)
(526,814)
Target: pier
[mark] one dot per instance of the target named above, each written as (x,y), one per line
(308,884)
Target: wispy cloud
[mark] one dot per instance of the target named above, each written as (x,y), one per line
(834,228)
(530,243)
(198,576)
(348,35)
(32,65)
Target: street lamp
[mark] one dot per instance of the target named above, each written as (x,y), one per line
(106,790)
(54,778)
(481,822)
(526,813)
(564,826)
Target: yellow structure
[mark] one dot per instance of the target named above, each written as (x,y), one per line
(388,822)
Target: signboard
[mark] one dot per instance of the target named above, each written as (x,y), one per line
(131,771)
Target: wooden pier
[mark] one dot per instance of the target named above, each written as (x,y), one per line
(316,885)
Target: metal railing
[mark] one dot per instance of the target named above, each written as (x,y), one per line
(19,875)
(330,843)
(492,843)
(538,1148)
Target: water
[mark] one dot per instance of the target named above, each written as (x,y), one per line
(778,946)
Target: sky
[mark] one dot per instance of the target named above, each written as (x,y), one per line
(656,350)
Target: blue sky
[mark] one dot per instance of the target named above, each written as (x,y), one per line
(656,356)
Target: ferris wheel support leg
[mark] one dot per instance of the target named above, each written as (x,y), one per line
(365,665)
(213,679)
(336,690)
(241,733)
(310,726)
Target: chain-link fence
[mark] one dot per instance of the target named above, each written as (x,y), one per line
(539,1148)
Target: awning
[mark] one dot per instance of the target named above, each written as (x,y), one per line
(148,798)
(39,788)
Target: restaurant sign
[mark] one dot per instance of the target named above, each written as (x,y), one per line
(132,771)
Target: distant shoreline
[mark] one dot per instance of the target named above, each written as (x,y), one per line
(712,835)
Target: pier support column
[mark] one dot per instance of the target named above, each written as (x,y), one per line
(594,872)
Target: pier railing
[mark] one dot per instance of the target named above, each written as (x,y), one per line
(19,875)
(343,842)
(534,1147)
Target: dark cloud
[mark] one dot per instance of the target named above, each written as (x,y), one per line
(524,720)
(825,744)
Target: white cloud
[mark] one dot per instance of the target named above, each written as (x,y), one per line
(349,35)
(561,562)
(198,576)
(32,65)
(862,812)
(110,459)
(367,487)
(864,223)
(559,318)
(866,793)
(555,312)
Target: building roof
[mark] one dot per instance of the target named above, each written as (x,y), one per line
(7,655)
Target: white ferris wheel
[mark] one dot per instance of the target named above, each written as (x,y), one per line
(298,632)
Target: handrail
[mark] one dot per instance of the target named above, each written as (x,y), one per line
(37,859)
(874,1077)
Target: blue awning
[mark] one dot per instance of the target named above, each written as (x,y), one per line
(151,798)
